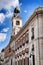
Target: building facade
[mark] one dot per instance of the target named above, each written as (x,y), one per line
(9,54)
(27,43)
(1,58)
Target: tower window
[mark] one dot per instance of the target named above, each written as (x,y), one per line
(17,23)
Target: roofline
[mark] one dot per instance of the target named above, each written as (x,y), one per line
(37,11)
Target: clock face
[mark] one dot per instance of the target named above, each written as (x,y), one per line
(17,22)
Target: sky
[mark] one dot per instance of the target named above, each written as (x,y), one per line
(27,7)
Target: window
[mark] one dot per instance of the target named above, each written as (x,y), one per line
(15,49)
(33,59)
(32,34)
(20,46)
(20,55)
(21,62)
(17,22)
(15,57)
(27,37)
(24,61)
(28,60)
(23,40)
(11,61)
(32,47)
(18,62)
(23,54)
(23,44)
(9,49)
(15,62)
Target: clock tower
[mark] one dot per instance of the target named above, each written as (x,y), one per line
(16,24)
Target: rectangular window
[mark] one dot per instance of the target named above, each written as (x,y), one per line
(11,61)
(23,40)
(20,46)
(27,37)
(33,47)
(33,59)
(21,62)
(32,34)
(24,61)
(18,62)
(28,61)
(15,62)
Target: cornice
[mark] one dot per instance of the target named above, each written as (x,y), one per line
(37,11)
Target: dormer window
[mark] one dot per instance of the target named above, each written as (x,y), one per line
(17,22)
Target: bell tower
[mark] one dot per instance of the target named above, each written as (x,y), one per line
(16,22)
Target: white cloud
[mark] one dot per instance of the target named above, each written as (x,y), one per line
(2,37)
(25,11)
(4,34)
(9,14)
(5,30)
(2,17)
(13,3)
(8,3)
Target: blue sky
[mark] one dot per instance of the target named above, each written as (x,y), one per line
(28,6)
(6,12)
